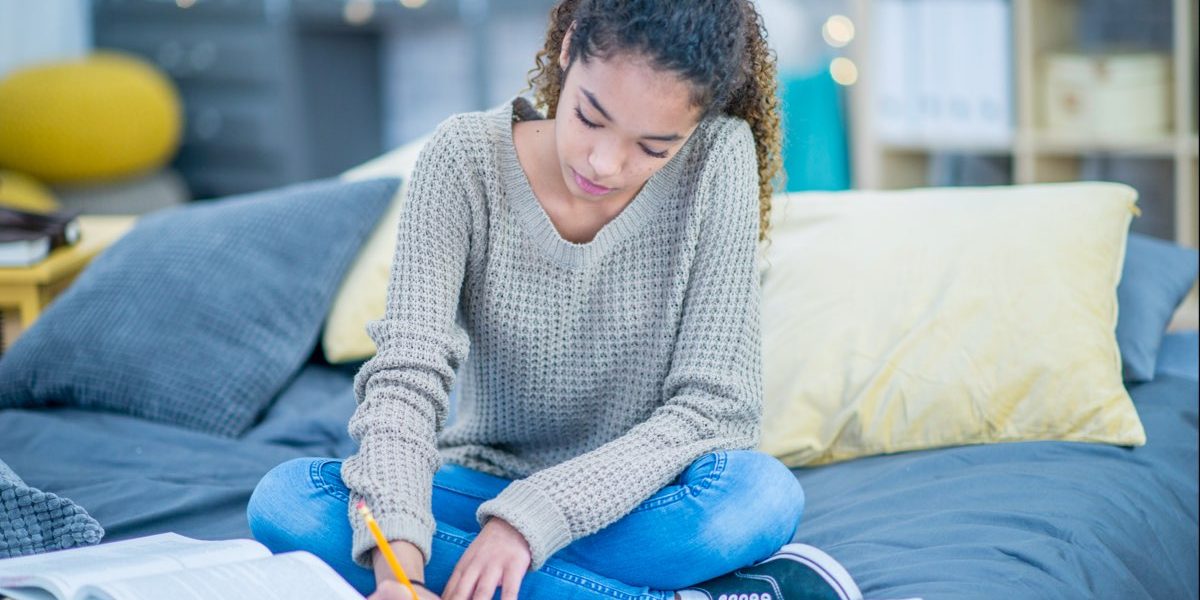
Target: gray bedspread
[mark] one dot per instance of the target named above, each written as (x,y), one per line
(1021,520)
(137,477)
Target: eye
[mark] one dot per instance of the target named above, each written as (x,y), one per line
(662,154)
(582,119)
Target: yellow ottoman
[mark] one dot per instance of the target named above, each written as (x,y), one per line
(106,116)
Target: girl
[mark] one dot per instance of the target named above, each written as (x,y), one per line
(599,264)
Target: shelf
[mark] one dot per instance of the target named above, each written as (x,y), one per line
(1059,144)
(1038,154)
(918,146)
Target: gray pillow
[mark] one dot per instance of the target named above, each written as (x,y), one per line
(33,521)
(202,313)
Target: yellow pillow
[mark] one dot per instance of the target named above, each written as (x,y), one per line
(362,296)
(25,193)
(108,115)
(897,321)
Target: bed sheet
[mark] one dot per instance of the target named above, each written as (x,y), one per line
(138,477)
(1021,520)
(1039,519)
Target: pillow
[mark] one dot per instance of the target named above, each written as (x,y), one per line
(897,321)
(33,521)
(201,313)
(1179,356)
(363,294)
(1156,278)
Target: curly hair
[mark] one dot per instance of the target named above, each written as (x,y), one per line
(717,46)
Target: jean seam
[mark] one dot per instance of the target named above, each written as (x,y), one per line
(707,481)
(318,480)
(590,584)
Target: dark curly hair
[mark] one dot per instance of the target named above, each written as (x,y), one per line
(718,46)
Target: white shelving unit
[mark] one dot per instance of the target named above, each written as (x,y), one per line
(1039,27)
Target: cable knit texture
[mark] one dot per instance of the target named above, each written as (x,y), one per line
(597,372)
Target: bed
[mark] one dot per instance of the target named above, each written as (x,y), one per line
(1039,519)
(1031,520)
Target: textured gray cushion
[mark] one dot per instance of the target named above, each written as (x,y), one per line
(202,313)
(33,521)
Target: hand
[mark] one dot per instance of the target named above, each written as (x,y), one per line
(498,556)
(394,590)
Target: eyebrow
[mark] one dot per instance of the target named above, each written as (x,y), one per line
(671,137)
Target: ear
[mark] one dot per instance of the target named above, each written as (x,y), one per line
(564,54)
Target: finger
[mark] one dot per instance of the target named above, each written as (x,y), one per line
(393,589)
(451,588)
(485,588)
(512,584)
(466,583)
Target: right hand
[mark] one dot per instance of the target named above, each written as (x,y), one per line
(394,590)
(412,561)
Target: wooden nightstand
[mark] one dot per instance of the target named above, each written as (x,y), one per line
(26,291)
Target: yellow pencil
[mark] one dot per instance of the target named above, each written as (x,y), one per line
(385,547)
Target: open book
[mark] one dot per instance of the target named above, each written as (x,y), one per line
(172,566)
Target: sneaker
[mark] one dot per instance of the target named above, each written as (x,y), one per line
(795,572)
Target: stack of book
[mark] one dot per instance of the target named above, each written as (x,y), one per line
(26,238)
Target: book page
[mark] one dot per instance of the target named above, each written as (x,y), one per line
(289,576)
(62,572)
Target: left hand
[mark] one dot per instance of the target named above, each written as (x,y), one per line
(499,556)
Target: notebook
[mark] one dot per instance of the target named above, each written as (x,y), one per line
(169,565)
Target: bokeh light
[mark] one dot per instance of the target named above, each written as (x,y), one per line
(843,70)
(357,12)
(838,31)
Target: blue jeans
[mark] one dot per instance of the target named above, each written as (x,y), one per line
(728,509)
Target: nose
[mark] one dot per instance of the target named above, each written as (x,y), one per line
(606,159)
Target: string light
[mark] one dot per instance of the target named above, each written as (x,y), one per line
(838,31)
(357,12)
(843,70)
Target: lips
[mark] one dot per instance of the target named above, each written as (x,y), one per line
(588,186)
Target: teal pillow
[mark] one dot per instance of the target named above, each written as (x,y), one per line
(202,313)
(1157,276)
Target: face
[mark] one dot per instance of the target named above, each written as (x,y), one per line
(618,122)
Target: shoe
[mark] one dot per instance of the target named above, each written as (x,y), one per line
(795,572)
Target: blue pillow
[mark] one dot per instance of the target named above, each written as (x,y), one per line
(202,313)
(1179,356)
(1156,278)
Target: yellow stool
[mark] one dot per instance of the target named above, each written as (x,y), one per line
(29,290)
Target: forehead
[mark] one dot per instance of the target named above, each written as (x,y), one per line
(638,97)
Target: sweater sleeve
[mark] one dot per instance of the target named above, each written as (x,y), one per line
(713,389)
(403,391)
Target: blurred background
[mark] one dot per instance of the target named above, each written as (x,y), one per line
(876,93)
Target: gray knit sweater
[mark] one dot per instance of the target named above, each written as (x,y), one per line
(597,372)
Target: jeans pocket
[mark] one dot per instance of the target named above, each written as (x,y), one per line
(697,477)
(326,475)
